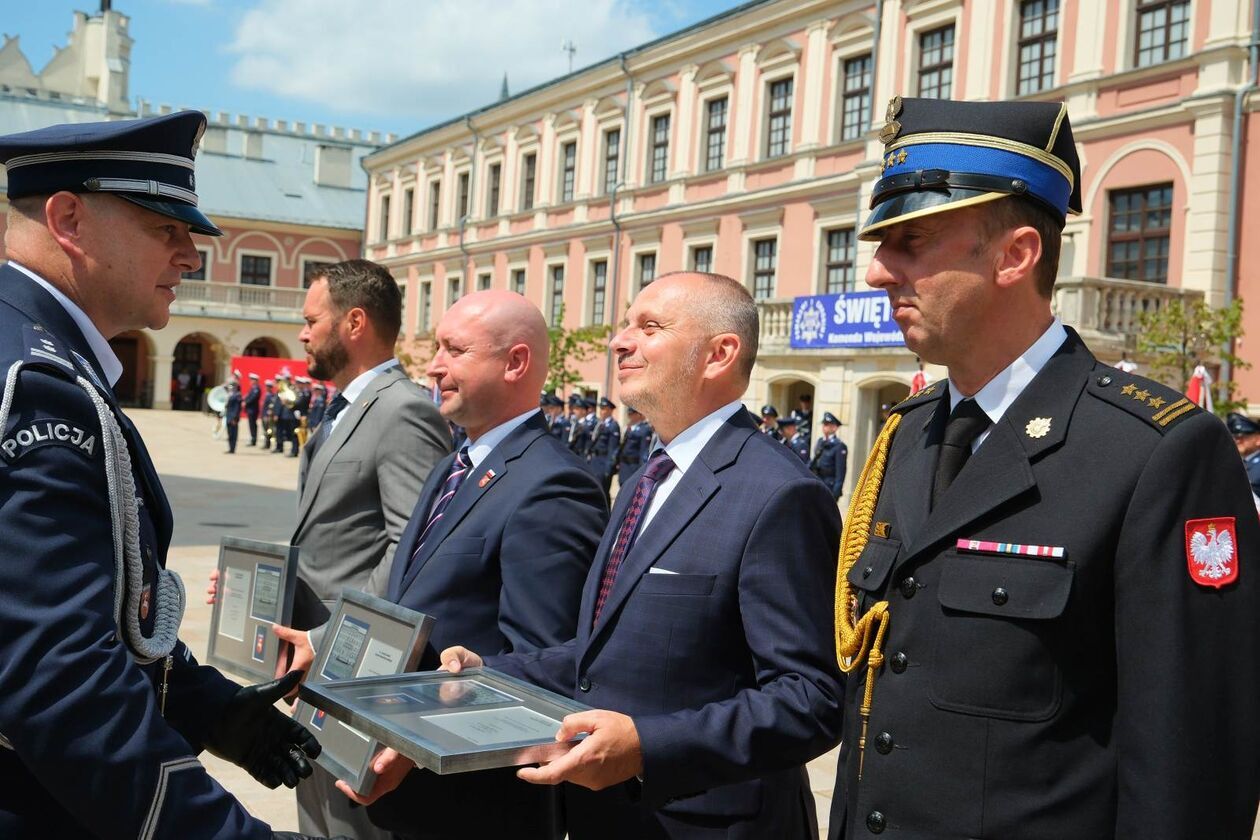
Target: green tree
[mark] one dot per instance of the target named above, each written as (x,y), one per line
(1180,334)
(571,347)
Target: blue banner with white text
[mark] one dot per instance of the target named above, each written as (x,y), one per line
(849,319)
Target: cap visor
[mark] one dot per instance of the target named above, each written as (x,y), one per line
(175,210)
(916,204)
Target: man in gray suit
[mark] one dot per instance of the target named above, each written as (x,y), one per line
(360,474)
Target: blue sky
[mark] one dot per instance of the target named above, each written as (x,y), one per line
(393,65)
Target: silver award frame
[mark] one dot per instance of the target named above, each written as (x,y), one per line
(255,590)
(366,636)
(452,723)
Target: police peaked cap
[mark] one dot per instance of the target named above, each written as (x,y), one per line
(828,417)
(604,402)
(944,155)
(769,411)
(790,420)
(1241,424)
(148,162)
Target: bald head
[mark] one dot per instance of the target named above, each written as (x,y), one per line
(491,359)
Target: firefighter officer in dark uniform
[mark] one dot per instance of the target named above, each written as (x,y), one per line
(102,708)
(252,397)
(634,445)
(1042,603)
(789,431)
(605,441)
(831,456)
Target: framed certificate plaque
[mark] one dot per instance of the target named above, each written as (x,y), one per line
(256,584)
(451,723)
(366,637)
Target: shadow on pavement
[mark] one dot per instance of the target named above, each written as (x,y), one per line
(207,510)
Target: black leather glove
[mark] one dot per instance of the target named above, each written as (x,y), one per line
(253,734)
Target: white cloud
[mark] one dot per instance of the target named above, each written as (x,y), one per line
(426,59)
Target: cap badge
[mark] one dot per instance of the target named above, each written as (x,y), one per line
(1038,427)
(891,127)
(1212,551)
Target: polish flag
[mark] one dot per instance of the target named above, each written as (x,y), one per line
(1199,391)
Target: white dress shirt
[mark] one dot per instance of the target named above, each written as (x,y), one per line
(357,386)
(105,356)
(480,449)
(1002,390)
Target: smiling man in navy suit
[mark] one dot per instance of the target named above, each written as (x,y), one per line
(704,634)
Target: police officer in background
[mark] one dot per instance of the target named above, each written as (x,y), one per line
(1246,434)
(790,433)
(605,441)
(831,456)
(634,445)
(770,422)
(102,708)
(252,397)
(270,411)
(559,421)
(232,414)
(805,416)
(319,403)
(579,430)
(1041,602)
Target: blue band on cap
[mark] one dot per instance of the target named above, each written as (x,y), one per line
(1044,182)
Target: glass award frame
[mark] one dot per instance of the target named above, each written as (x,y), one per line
(255,590)
(452,723)
(365,637)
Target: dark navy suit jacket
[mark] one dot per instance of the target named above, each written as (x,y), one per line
(728,666)
(502,571)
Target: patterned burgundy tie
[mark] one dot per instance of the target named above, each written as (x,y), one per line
(459,469)
(658,466)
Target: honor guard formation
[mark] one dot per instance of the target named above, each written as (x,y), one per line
(1032,623)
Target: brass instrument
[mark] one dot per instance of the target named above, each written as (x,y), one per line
(287,395)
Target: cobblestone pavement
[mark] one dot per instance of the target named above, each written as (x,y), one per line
(253,494)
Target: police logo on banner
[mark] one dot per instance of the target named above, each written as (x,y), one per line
(848,319)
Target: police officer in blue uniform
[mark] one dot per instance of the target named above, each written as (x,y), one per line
(1048,599)
(252,397)
(831,456)
(789,432)
(559,426)
(580,430)
(605,441)
(102,708)
(1246,434)
(286,420)
(634,445)
(770,422)
(319,402)
(270,412)
(232,415)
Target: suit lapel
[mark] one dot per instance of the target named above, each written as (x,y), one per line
(415,526)
(913,495)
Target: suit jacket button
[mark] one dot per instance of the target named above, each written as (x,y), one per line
(1000,596)
(884,743)
(868,571)
(875,822)
(909,586)
(898,662)
(584,683)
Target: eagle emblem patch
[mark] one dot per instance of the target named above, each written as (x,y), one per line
(1212,551)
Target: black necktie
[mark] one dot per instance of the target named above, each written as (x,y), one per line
(965,424)
(335,407)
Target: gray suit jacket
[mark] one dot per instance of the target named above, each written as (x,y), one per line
(358,490)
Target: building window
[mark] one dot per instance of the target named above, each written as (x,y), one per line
(557,294)
(599,290)
(1139,233)
(568,170)
(715,135)
(435,204)
(463,195)
(200,273)
(1038,38)
(454,290)
(612,154)
(409,197)
(312,269)
(702,259)
(855,108)
(426,305)
(530,170)
(936,63)
(518,281)
(765,260)
(492,198)
(383,230)
(483,282)
(1163,30)
(660,149)
(255,270)
(838,271)
(779,130)
(647,269)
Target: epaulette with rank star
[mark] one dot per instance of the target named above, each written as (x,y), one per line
(1157,404)
(924,395)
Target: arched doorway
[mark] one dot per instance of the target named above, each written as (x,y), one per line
(193,368)
(265,347)
(793,395)
(134,388)
(875,398)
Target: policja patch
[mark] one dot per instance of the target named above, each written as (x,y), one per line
(45,432)
(1212,551)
